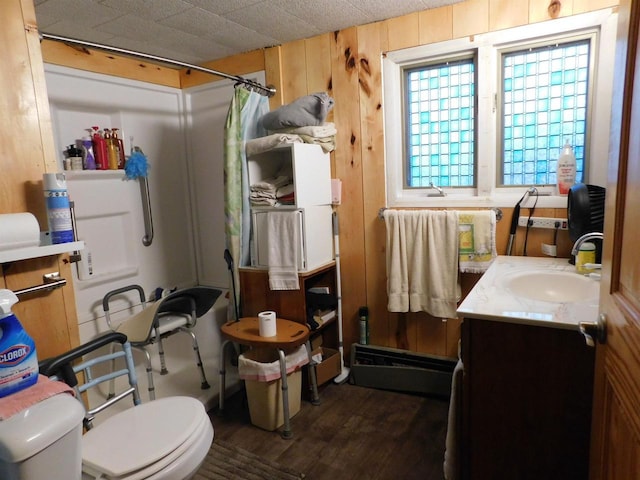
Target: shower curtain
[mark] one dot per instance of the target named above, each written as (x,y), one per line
(242,124)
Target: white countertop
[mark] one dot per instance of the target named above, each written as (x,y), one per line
(492,299)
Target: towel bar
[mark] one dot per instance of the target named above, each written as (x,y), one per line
(495,209)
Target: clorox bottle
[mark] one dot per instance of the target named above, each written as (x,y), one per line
(18,359)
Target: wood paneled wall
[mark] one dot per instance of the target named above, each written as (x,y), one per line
(346,64)
(352,76)
(26,152)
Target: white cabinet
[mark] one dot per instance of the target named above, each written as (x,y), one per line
(314,245)
(310,170)
(308,166)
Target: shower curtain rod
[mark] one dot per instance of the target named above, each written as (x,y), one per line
(267,90)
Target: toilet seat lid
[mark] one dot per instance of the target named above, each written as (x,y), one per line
(141,435)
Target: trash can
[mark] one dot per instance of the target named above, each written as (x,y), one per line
(260,370)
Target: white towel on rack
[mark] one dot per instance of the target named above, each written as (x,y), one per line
(283,232)
(422,261)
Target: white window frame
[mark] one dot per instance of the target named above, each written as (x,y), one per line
(488,48)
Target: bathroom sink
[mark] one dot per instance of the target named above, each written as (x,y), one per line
(552,286)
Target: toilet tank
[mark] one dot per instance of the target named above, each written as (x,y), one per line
(43,441)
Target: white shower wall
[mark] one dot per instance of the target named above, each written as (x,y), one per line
(181,133)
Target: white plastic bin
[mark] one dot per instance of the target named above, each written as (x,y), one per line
(260,369)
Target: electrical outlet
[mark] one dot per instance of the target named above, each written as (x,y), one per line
(544,222)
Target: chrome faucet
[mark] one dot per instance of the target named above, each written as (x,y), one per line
(584,238)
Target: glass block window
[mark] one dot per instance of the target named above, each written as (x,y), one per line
(544,105)
(440,124)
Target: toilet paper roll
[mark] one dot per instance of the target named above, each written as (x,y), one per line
(18,230)
(267,324)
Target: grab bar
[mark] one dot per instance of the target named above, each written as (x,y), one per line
(146,212)
(51,282)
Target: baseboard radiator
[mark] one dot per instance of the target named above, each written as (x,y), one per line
(401,370)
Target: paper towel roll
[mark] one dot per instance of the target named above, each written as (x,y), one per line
(18,230)
(267,324)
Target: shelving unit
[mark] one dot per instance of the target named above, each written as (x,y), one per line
(310,171)
(308,165)
(256,297)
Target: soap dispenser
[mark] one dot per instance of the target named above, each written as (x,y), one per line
(18,359)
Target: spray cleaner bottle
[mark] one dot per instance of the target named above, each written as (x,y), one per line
(18,359)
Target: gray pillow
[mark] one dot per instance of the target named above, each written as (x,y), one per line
(310,110)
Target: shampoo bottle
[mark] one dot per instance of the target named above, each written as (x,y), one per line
(99,149)
(112,149)
(566,170)
(120,144)
(18,359)
(87,153)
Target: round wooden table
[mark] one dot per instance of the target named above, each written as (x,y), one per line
(289,334)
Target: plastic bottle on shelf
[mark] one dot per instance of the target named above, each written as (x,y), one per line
(18,358)
(74,155)
(120,145)
(566,170)
(99,149)
(112,150)
(87,154)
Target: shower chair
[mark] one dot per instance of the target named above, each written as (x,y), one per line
(177,312)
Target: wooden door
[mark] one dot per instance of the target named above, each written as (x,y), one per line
(615,452)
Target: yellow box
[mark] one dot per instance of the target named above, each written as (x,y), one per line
(265,400)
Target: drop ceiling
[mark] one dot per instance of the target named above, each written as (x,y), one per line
(197,31)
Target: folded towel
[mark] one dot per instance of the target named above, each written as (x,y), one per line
(327,129)
(263,202)
(328,144)
(477,240)
(422,261)
(271,184)
(283,232)
(264,144)
(304,111)
(23,399)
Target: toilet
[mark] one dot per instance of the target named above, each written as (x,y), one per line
(43,441)
(163,439)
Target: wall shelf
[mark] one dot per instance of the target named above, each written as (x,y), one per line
(39,251)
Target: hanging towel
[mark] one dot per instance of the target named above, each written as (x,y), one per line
(422,261)
(477,240)
(41,390)
(283,232)
(451,464)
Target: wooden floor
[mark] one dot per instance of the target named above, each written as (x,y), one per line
(356,433)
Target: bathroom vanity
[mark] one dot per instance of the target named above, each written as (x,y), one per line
(528,374)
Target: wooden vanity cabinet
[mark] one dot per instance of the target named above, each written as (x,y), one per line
(526,402)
